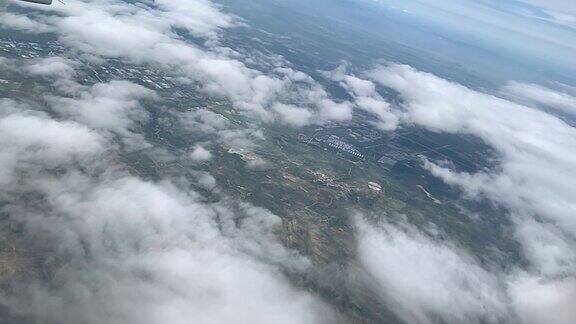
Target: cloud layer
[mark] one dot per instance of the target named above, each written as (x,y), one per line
(148,34)
(427,281)
(126,250)
(533,179)
(113,247)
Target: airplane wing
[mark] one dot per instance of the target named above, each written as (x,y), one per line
(45,2)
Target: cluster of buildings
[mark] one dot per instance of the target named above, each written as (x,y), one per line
(375,186)
(145,75)
(333,142)
(28,50)
(364,134)
(336,143)
(245,155)
(331,182)
(114,69)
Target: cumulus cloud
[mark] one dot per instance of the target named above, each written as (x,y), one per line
(200,154)
(426,280)
(124,250)
(539,301)
(146,34)
(429,280)
(535,147)
(138,252)
(132,251)
(335,111)
(293,115)
(207,181)
(114,106)
(201,18)
(29,137)
(207,122)
(535,175)
(536,94)
(23,22)
(550,251)
(55,67)
(367,98)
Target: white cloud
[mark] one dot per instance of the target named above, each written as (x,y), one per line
(55,66)
(207,181)
(123,250)
(139,252)
(536,94)
(335,111)
(113,106)
(27,138)
(201,18)
(539,301)
(204,121)
(181,268)
(387,120)
(200,154)
(535,175)
(145,34)
(428,281)
(366,98)
(23,22)
(293,115)
(113,229)
(537,166)
(536,148)
(134,251)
